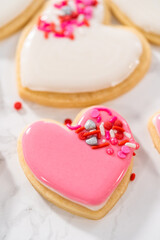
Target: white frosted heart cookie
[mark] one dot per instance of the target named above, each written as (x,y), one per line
(154,129)
(15,13)
(144,15)
(68,58)
(83,168)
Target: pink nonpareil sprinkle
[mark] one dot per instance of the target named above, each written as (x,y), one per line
(114,141)
(110,151)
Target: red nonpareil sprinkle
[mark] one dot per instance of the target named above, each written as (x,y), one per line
(91,133)
(101,145)
(134,154)
(132,177)
(81,136)
(17,105)
(107,125)
(94,3)
(118,123)
(123,142)
(118,128)
(46,35)
(119,135)
(71,37)
(86,22)
(79,129)
(67,121)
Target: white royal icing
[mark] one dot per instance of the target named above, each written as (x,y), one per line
(98,57)
(10,9)
(144,13)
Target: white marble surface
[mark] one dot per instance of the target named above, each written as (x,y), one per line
(25,215)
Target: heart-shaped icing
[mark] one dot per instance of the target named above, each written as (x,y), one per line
(99,57)
(61,159)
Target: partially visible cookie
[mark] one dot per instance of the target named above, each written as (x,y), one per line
(14,14)
(154,129)
(140,14)
(83,168)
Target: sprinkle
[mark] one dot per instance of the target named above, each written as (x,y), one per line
(89,125)
(17,105)
(125,149)
(92,141)
(114,141)
(134,154)
(137,145)
(110,151)
(103,140)
(102,129)
(118,128)
(123,142)
(105,110)
(81,136)
(132,145)
(67,121)
(112,120)
(108,125)
(46,35)
(127,134)
(99,134)
(107,135)
(86,134)
(95,113)
(101,145)
(99,119)
(112,133)
(119,135)
(73,127)
(79,129)
(132,177)
(118,123)
(121,155)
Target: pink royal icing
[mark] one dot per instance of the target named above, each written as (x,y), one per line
(64,162)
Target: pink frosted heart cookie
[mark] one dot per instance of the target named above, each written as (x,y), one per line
(14,14)
(154,129)
(68,58)
(83,168)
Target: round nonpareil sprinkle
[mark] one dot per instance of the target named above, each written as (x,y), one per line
(17,105)
(132,177)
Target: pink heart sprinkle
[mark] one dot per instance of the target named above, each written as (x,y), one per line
(95,113)
(125,149)
(121,155)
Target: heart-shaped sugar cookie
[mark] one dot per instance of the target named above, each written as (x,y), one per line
(70,59)
(84,168)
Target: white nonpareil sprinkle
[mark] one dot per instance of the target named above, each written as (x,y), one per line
(127,134)
(112,133)
(103,140)
(102,130)
(132,145)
